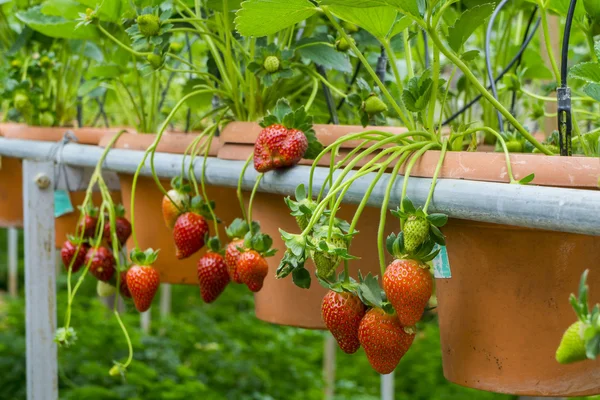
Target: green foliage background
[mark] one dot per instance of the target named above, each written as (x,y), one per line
(208,352)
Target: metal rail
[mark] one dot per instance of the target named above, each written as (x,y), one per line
(556,209)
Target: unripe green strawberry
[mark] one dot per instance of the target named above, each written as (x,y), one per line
(416,230)
(374,105)
(16,64)
(572,344)
(155,60)
(21,102)
(343,45)
(272,64)
(149,24)
(46,119)
(350,27)
(46,62)
(104,289)
(325,262)
(303,220)
(176,47)
(514,146)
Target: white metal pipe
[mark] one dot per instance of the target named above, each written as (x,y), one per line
(165,301)
(13,262)
(40,280)
(330,347)
(387,387)
(557,209)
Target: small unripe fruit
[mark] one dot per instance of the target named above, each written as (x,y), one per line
(350,27)
(104,289)
(149,24)
(272,64)
(21,101)
(374,105)
(176,47)
(343,45)
(46,119)
(17,64)
(155,60)
(46,62)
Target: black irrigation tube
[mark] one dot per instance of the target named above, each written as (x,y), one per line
(563,93)
(328,97)
(510,65)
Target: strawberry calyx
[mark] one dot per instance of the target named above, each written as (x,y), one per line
(199,206)
(89,210)
(178,184)
(303,208)
(239,228)
(65,337)
(297,119)
(259,242)
(340,284)
(117,370)
(144,258)
(76,240)
(372,295)
(119,211)
(213,245)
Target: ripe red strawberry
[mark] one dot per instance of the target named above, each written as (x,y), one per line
(69,253)
(123,288)
(89,222)
(142,279)
(213,276)
(232,255)
(342,313)
(102,263)
(172,209)
(189,234)
(384,339)
(252,269)
(143,282)
(279,147)
(408,285)
(122,226)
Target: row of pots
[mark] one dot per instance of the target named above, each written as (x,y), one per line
(502,311)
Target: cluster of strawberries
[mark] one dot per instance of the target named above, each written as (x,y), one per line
(83,249)
(243,259)
(382,320)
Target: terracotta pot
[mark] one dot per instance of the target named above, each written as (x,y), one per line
(503,311)
(280,301)
(149,225)
(11,181)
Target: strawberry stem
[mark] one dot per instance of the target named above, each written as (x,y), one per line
(239,193)
(127,338)
(203,177)
(438,168)
(254,189)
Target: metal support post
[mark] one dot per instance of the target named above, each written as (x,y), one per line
(40,280)
(13,262)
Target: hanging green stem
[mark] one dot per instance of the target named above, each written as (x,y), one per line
(438,168)
(254,189)
(239,192)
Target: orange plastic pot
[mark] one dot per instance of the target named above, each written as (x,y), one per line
(11,181)
(151,231)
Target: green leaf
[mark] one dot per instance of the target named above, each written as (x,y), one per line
(529,178)
(55,26)
(592,347)
(324,54)
(370,292)
(68,9)
(408,206)
(438,220)
(217,5)
(592,90)
(437,235)
(470,55)
(378,21)
(587,71)
(416,8)
(103,71)
(467,23)
(401,24)
(265,17)
(301,278)
(109,10)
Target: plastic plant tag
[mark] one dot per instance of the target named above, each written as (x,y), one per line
(62,203)
(441,265)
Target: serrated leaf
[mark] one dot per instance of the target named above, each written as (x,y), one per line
(55,26)
(325,55)
(370,291)
(587,71)
(592,90)
(401,24)
(438,220)
(314,146)
(265,17)
(378,21)
(437,235)
(68,9)
(408,206)
(467,23)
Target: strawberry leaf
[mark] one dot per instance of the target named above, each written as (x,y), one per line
(314,146)
(237,229)
(369,291)
(408,206)
(437,235)
(438,220)
(300,192)
(301,278)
